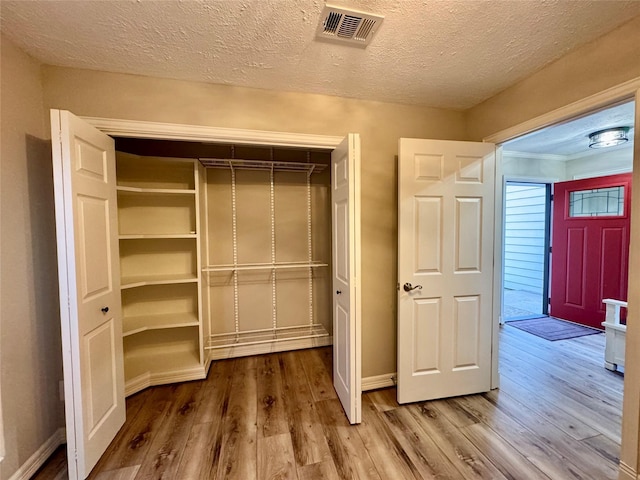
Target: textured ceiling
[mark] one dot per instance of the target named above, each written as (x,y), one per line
(447,53)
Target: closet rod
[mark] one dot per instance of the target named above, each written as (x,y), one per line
(262,165)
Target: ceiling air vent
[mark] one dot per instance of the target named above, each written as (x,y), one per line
(348,26)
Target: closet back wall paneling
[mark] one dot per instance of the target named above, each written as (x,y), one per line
(253,245)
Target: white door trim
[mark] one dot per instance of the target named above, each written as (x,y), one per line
(171,131)
(175,131)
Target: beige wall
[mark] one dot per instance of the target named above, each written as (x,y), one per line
(101,94)
(606,62)
(30,351)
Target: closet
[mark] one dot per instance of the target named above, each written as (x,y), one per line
(224,251)
(192,244)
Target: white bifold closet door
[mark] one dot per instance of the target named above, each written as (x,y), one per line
(89,277)
(347,340)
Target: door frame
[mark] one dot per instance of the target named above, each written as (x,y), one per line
(630,90)
(548,181)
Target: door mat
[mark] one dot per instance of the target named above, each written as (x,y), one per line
(553,329)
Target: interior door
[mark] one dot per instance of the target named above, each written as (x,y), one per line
(590,257)
(445,268)
(89,277)
(345,199)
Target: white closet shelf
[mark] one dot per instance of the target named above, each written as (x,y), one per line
(162,191)
(141,323)
(262,165)
(143,280)
(138,236)
(262,266)
(255,337)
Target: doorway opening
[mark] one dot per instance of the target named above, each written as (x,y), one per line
(539,279)
(527,214)
(553,157)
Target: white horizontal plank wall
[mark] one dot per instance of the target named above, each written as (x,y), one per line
(524,237)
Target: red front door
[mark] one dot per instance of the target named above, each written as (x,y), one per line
(590,246)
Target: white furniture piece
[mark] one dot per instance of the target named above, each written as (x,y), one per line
(615,334)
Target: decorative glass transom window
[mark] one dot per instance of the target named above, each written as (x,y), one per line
(599,202)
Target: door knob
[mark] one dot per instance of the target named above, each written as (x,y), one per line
(408,287)
(104,309)
(338,292)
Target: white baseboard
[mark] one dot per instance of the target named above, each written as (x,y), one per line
(35,461)
(627,473)
(150,379)
(378,381)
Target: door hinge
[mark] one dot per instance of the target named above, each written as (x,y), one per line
(550,249)
(398,286)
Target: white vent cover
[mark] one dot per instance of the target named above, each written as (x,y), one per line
(348,26)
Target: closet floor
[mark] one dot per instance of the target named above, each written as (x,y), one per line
(557,416)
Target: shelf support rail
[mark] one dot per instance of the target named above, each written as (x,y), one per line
(309,245)
(235,248)
(274,321)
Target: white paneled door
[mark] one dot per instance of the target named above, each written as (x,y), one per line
(445,268)
(345,197)
(89,276)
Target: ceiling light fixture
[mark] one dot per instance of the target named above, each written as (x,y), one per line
(608,137)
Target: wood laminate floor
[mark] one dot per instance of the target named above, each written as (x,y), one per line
(556,416)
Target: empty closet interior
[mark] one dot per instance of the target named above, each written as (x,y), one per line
(225,251)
